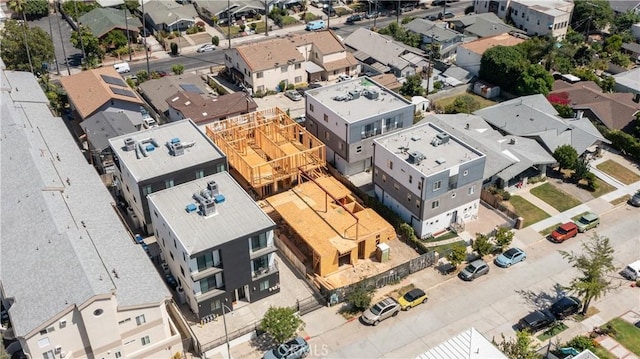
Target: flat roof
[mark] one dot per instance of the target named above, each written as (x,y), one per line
(62,240)
(361,108)
(419,138)
(160,161)
(237,216)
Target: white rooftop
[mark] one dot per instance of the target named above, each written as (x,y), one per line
(418,140)
(160,161)
(237,216)
(469,344)
(361,108)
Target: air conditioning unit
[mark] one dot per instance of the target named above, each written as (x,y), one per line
(62,323)
(58,349)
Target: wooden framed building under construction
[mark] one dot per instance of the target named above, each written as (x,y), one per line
(267,149)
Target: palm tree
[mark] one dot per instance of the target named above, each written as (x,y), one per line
(19,6)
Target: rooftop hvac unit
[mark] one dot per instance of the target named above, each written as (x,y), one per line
(176,149)
(191,207)
(416,157)
(213,187)
(208,207)
(129,144)
(444,137)
(512,141)
(371,94)
(354,94)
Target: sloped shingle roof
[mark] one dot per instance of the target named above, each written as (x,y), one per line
(102,20)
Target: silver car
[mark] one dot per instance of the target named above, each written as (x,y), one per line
(293,95)
(384,309)
(474,270)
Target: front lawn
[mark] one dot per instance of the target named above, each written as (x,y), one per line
(617,171)
(602,188)
(619,200)
(442,104)
(527,210)
(556,198)
(444,247)
(553,331)
(626,334)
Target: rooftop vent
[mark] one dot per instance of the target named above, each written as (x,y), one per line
(440,160)
(213,187)
(176,149)
(415,138)
(129,144)
(416,157)
(354,94)
(444,137)
(512,141)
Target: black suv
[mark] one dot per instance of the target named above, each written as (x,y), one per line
(565,307)
(537,320)
(353,18)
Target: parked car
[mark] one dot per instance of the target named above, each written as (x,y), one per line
(162,73)
(353,18)
(635,199)
(382,310)
(329,11)
(564,232)
(315,25)
(536,320)
(587,221)
(474,270)
(446,15)
(293,349)
(632,271)
(565,307)
(431,17)
(149,123)
(372,15)
(293,95)
(300,119)
(206,48)
(412,298)
(343,78)
(314,85)
(510,256)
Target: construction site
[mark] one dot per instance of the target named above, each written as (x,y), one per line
(267,150)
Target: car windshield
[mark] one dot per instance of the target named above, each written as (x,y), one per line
(471,268)
(561,230)
(584,220)
(409,297)
(511,253)
(376,309)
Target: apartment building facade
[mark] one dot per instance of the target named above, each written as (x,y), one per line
(349,115)
(217,242)
(158,158)
(428,177)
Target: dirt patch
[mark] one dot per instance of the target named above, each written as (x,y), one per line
(201,38)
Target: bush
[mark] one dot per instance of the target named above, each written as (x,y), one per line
(174,49)
(257,17)
(360,297)
(192,30)
(282,86)
(215,40)
(581,343)
(291,86)
(243,27)
(177,69)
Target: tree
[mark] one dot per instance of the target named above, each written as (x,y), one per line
(177,69)
(215,40)
(281,323)
(75,9)
(607,83)
(36,9)
(623,22)
(613,43)
(482,245)
(581,169)
(93,51)
(584,55)
(14,52)
(537,49)
(19,6)
(534,80)
(114,39)
(457,255)
(519,348)
(174,49)
(566,156)
(412,86)
(463,104)
(504,237)
(620,59)
(594,264)
(406,232)
(142,76)
(591,15)
(502,65)
(360,297)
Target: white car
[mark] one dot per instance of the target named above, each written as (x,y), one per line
(343,78)
(293,95)
(206,48)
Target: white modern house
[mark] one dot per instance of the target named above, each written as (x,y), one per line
(431,179)
(349,115)
(217,242)
(74,283)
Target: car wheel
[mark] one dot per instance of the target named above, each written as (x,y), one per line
(409,307)
(396,313)
(376,323)
(508,265)
(524,259)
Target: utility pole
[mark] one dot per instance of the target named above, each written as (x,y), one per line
(84,54)
(398,13)
(126,25)
(266,19)
(375,15)
(229,22)
(64,51)
(144,29)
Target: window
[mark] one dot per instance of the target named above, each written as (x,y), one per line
(311,107)
(435,204)
(168,183)
(396,186)
(259,75)
(140,320)
(502,8)
(419,185)
(390,164)
(48,355)
(258,242)
(199,174)
(436,185)
(417,203)
(146,190)
(298,79)
(410,179)
(326,135)
(210,283)
(298,66)
(261,88)
(359,149)
(145,340)
(208,260)
(384,177)
(408,197)
(175,244)
(184,257)
(264,285)
(215,305)
(283,69)
(471,190)
(515,13)
(118,354)
(171,254)
(43,331)
(124,321)
(326,118)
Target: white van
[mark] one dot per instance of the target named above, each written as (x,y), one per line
(632,271)
(122,67)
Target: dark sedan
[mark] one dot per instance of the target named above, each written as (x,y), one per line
(565,307)
(536,320)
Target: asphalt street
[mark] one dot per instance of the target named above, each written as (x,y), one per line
(492,304)
(55,25)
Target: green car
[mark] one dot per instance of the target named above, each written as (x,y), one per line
(587,221)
